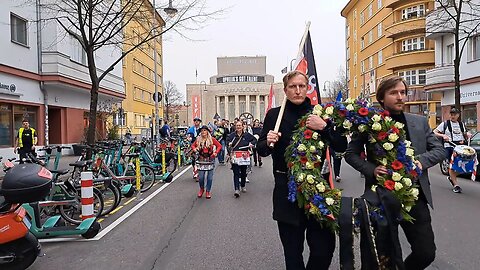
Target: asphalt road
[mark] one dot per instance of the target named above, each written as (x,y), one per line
(175,230)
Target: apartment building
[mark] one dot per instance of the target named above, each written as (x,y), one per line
(44,78)
(387,37)
(441,78)
(139,75)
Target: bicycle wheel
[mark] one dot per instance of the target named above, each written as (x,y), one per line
(111,199)
(148,177)
(444,166)
(73,212)
(171,161)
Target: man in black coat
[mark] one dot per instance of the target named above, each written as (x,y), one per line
(292,220)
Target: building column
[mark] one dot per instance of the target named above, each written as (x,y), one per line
(237,106)
(247,104)
(217,104)
(226,108)
(257,113)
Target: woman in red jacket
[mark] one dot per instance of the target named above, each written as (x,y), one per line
(207,148)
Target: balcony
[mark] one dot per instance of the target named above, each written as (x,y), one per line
(393,3)
(406,27)
(410,59)
(437,24)
(440,74)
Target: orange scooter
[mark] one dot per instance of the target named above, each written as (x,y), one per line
(27,183)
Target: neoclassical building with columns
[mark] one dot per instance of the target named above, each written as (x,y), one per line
(241,87)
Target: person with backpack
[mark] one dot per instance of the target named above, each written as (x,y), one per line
(454,131)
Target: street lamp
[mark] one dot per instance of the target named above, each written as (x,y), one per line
(186,105)
(171,12)
(201,96)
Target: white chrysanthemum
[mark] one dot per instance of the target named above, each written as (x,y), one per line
(320,187)
(309,165)
(407,182)
(321,144)
(329,110)
(376,126)
(301,177)
(329,201)
(383,161)
(388,119)
(350,107)
(399,125)
(310,179)
(376,118)
(350,101)
(398,186)
(347,124)
(317,110)
(362,128)
(408,143)
(302,148)
(374,188)
(388,146)
(315,135)
(393,137)
(414,192)
(396,176)
(312,149)
(409,152)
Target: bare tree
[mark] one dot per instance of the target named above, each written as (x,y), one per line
(340,84)
(460,18)
(97,24)
(172,97)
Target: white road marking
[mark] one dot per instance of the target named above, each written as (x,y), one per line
(117,222)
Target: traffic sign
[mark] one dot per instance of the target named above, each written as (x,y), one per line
(159,97)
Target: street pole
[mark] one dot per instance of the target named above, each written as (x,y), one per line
(154,23)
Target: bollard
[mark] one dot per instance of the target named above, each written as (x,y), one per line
(137,174)
(87,195)
(179,156)
(163,161)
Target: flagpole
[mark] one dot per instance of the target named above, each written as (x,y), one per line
(298,59)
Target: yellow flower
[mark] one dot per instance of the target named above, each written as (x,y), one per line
(315,135)
(388,146)
(329,110)
(347,124)
(362,128)
(310,179)
(320,187)
(398,186)
(317,110)
(376,118)
(309,165)
(376,126)
(321,144)
(409,152)
(301,177)
(383,161)
(302,148)
(350,107)
(399,125)
(312,149)
(393,137)
(407,182)
(396,176)
(329,201)
(313,209)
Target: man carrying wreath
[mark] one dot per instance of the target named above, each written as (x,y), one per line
(292,220)
(428,150)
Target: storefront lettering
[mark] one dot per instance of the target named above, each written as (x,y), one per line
(470,94)
(242,90)
(12,88)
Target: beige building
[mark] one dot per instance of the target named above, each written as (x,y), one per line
(386,37)
(240,88)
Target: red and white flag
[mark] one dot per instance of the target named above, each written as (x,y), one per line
(306,64)
(271,99)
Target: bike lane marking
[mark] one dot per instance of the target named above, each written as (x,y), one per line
(117,222)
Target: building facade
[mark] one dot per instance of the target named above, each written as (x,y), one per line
(240,89)
(387,37)
(44,78)
(441,78)
(139,76)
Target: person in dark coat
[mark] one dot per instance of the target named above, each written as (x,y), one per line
(338,146)
(391,94)
(292,220)
(257,130)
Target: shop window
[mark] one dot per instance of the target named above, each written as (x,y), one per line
(469,116)
(6,132)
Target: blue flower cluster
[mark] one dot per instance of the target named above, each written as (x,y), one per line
(292,189)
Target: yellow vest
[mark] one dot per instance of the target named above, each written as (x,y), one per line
(20,132)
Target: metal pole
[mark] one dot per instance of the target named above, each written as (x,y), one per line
(156,131)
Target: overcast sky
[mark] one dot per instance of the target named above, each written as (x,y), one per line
(271,28)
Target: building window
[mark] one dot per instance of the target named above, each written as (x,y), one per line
(362,18)
(253,105)
(413,12)
(355,35)
(469,116)
(370,11)
(118,120)
(18,29)
(354,14)
(348,31)
(231,107)
(362,43)
(380,57)
(413,44)
(78,53)
(379,30)
(355,81)
(370,37)
(242,106)
(450,54)
(263,101)
(475,47)
(222,108)
(370,62)
(355,59)
(362,66)
(414,77)
(348,53)
(379,4)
